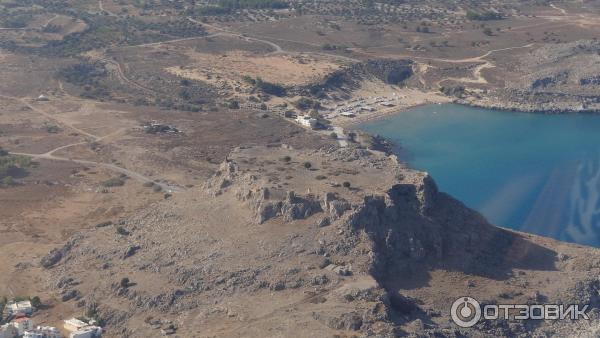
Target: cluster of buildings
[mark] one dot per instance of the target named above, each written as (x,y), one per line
(20,325)
(154,127)
(356,106)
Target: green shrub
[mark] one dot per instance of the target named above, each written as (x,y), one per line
(233,104)
(8,181)
(36,302)
(13,166)
(113,182)
(270,88)
(485,16)
(122,231)
(304,103)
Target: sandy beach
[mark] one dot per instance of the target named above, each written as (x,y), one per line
(408,98)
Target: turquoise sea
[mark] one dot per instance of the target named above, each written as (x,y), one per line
(531,172)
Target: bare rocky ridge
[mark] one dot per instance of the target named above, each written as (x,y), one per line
(272,246)
(394,72)
(553,79)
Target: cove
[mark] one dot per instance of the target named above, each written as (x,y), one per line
(530,172)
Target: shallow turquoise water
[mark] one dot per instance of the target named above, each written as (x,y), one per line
(531,172)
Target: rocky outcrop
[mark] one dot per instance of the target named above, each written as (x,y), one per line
(393,72)
(55,255)
(368,250)
(267,203)
(557,78)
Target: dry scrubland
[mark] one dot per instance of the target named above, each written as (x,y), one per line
(156,142)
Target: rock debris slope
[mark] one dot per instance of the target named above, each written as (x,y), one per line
(282,242)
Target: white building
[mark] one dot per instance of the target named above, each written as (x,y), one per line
(74,324)
(8,331)
(307,121)
(23,307)
(80,329)
(22,324)
(43,332)
(33,334)
(87,332)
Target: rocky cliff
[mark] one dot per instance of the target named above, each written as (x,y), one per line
(314,243)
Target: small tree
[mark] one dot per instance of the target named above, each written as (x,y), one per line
(122,231)
(8,181)
(36,302)
(307,165)
(352,136)
(346,184)
(233,104)
(124,282)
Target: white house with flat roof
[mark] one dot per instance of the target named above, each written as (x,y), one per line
(74,324)
(89,331)
(307,121)
(23,307)
(43,332)
(81,329)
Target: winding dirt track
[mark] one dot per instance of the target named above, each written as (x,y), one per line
(277,49)
(49,116)
(123,78)
(102,10)
(135,175)
(95,138)
(477,71)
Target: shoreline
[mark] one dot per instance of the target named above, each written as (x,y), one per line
(352,122)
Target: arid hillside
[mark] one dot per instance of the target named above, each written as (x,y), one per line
(191,168)
(282,242)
